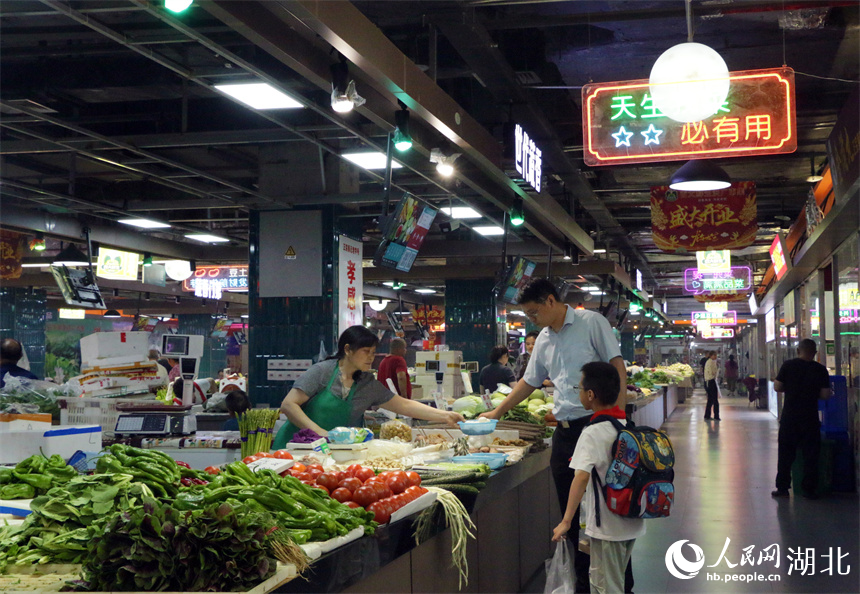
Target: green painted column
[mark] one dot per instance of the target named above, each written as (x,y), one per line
(22,317)
(471,322)
(628,348)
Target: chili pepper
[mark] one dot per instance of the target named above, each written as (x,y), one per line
(17,491)
(183,464)
(64,473)
(240,470)
(198,481)
(300,536)
(186,482)
(56,461)
(5,475)
(39,481)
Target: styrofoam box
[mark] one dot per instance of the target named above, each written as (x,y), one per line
(31,422)
(65,441)
(450,358)
(118,347)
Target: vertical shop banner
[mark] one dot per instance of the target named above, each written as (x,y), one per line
(843,148)
(11,253)
(696,221)
(350,283)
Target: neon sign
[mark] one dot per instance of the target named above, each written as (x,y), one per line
(231,278)
(621,124)
(527,158)
(727,318)
(738,279)
(208,289)
(781,264)
(718,333)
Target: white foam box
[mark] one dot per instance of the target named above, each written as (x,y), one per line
(450,360)
(114,348)
(63,440)
(31,422)
(452,386)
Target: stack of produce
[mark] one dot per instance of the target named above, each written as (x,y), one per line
(34,476)
(152,467)
(256,427)
(460,479)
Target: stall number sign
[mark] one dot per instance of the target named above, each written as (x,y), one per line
(527,158)
(231,278)
(738,280)
(728,318)
(622,125)
(718,333)
(778,257)
(208,289)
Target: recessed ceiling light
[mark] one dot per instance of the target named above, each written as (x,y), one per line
(205,238)
(599,251)
(489,230)
(370,160)
(461,212)
(425,291)
(260,96)
(517,312)
(144,223)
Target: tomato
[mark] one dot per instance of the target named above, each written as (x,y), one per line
(303,476)
(374,479)
(414,478)
(381,512)
(341,474)
(328,480)
(413,492)
(364,473)
(424,490)
(381,489)
(352,504)
(352,469)
(350,483)
(298,467)
(398,483)
(263,455)
(384,475)
(308,483)
(321,488)
(316,467)
(282,455)
(342,495)
(365,495)
(249,459)
(314,472)
(212,470)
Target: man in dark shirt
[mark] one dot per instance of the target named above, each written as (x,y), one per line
(393,367)
(10,353)
(804,381)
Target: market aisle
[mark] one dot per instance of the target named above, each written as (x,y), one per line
(724,475)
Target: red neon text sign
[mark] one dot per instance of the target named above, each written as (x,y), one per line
(621,124)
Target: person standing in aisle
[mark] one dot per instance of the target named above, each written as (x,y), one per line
(523,360)
(804,381)
(612,536)
(497,372)
(10,353)
(570,338)
(711,387)
(393,367)
(732,375)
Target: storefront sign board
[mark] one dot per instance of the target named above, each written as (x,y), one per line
(718,333)
(527,158)
(231,278)
(727,318)
(779,256)
(737,280)
(350,285)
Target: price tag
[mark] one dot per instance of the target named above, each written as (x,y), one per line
(488,402)
(321,446)
(274,464)
(440,402)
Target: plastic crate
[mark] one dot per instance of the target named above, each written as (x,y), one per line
(93,411)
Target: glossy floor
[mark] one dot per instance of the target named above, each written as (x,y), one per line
(724,476)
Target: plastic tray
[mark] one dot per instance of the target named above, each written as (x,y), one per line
(494,461)
(484,428)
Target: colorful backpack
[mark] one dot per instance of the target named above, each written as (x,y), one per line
(638,483)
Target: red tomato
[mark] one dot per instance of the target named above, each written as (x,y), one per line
(308,483)
(314,472)
(328,480)
(398,483)
(424,490)
(365,495)
(263,454)
(321,488)
(364,473)
(352,504)
(298,467)
(316,467)
(341,474)
(282,455)
(385,474)
(249,459)
(381,512)
(212,470)
(374,479)
(414,478)
(381,489)
(352,469)
(342,495)
(413,492)
(303,476)
(350,483)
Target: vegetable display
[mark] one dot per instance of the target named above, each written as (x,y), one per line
(457,519)
(153,467)
(302,436)
(34,476)
(256,428)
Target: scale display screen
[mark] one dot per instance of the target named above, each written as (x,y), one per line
(153,423)
(174,346)
(431,366)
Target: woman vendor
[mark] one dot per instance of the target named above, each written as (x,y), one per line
(337,391)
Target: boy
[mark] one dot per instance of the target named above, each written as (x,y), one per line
(237,403)
(612,541)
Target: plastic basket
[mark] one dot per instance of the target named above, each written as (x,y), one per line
(92,411)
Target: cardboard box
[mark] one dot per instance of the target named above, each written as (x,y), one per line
(448,360)
(65,441)
(33,422)
(114,348)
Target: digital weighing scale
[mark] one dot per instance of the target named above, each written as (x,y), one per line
(154,419)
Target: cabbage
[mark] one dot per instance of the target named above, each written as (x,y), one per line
(496,402)
(469,405)
(537,394)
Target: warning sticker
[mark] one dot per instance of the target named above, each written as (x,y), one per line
(290,254)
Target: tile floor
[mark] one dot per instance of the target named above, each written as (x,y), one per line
(724,475)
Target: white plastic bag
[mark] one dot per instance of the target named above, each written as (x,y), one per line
(559,572)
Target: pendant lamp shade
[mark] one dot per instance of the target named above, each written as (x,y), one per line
(700,176)
(689,82)
(71,256)
(111,313)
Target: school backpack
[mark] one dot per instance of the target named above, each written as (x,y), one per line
(638,483)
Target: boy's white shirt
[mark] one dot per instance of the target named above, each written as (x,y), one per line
(593,450)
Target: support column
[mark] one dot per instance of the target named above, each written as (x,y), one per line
(628,348)
(22,317)
(471,324)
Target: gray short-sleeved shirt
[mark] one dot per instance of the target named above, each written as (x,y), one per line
(368,391)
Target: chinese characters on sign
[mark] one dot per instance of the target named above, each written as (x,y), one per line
(711,332)
(208,288)
(698,221)
(728,318)
(622,125)
(781,263)
(231,278)
(527,157)
(737,280)
(350,285)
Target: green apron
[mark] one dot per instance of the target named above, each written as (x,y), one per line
(325,409)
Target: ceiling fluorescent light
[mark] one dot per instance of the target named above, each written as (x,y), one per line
(599,251)
(259,96)
(489,230)
(461,212)
(370,160)
(144,223)
(425,291)
(206,238)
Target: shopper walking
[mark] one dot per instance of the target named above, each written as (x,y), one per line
(732,375)
(711,387)
(570,338)
(10,353)
(394,368)
(804,381)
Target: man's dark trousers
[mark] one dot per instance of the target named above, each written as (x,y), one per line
(563,444)
(713,400)
(794,433)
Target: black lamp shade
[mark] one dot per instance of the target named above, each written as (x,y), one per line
(111,313)
(700,175)
(71,256)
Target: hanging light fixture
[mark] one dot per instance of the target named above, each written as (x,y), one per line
(402,139)
(700,175)
(177,6)
(343,95)
(111,313)
(690,81)
(147,259)
(37,244)
(444,164)
(813,178)
(516,214)
(70,256)
(567,252)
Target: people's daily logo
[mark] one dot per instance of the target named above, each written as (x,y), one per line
(678,564)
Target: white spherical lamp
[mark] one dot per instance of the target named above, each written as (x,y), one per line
(178,270)
(689,82)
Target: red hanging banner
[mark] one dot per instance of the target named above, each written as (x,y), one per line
(11,253)
(708,297)
(699,221)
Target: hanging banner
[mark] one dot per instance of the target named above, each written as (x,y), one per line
(718,333)
(717,306)
(117,265)
(698,221)
(621,125)
(350,284)
(11,253)
(434,316)
(731,297)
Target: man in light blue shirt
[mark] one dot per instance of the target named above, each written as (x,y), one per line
(570,338)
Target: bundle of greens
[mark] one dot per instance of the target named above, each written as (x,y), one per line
(256,427)
(34,476)
(522,415)
(155,547)
(154,468)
